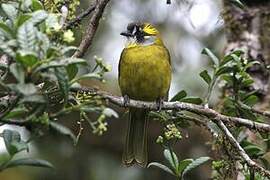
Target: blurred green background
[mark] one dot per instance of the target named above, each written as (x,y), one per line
(186,27)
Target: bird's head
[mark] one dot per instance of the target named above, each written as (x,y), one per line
(141,34)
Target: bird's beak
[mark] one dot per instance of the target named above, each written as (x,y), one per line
(126,33)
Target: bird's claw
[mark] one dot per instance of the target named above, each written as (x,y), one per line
(126,100)
(159,102)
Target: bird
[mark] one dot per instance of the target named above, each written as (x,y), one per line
(144,74)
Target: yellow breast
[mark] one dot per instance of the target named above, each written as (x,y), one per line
(145,72)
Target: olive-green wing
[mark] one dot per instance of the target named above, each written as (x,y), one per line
(169,59)
(120,61)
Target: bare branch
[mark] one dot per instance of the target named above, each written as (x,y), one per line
(198,109)
(85,13)
(240,150)
(91,29)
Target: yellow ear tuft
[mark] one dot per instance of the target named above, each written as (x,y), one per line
(150,29)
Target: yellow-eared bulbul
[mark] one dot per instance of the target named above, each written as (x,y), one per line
(144,74)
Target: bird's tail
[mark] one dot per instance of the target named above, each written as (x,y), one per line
(135,150)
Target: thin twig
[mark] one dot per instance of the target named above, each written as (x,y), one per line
(195,120)
(240,150)
(263,113)
(91,29)
(85,13)
(198,109)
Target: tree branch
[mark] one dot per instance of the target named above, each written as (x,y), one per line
(85,13)
(198,109)
(240,150)
(91,29)
(218,118)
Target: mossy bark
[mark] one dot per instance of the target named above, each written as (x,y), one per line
(248,29)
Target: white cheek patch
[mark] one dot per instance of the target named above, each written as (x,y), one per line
(149,40)
(147,37)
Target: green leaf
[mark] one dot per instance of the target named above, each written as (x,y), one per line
(212,56)
(63,130)
(10,11)
(206,77)
(61,63)
(183,164)
(172,159)
(63,82)
(6,49)
(68,49)
(238,3)
(228,79)
(214,128)
(18,72)
(160,115)
(44,45)
(3,66)
(194,164)
(224,70)
(25,89)
(251,100)
(29,162)
(35,98)
(110,113)
(38,16)
(238,52)
(243,94)
(15,113)
(193,100)
(225,60)
(13,142)
(51,21)
(36,5)
(72,71)
(25,5)
(235,57)
(6,29)
(231,56)
(247,82)
(26,36)
(87,76)
(247,113)
(180,95)
(22,19)
(252,63)
(161,166)
(27,58)
(254,151)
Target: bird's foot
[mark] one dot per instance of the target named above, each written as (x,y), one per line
(160,103)
(126,100)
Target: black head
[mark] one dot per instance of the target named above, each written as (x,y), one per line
(135,30)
